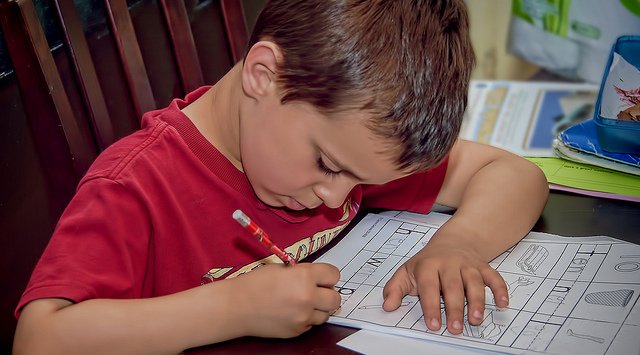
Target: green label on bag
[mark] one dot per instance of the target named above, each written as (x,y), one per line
(585,29)
(632,5)
(550,15)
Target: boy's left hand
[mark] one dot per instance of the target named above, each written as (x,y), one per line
(455,271)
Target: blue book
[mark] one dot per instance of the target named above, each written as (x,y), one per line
(583,137)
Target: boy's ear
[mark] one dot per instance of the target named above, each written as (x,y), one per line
(259,69)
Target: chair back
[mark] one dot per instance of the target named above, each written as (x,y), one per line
(75,76)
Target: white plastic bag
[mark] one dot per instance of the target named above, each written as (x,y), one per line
(571,38)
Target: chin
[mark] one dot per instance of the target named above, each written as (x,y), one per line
(270,200)
(273,203)
(280,201)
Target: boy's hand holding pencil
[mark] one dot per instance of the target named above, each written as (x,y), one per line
(280,302)
(285,301)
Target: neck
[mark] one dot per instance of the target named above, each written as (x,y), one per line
(217,117)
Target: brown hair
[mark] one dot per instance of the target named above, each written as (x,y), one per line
(407,62)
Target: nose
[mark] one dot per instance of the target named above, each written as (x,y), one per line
(334,193)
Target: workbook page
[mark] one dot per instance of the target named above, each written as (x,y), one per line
(567,294)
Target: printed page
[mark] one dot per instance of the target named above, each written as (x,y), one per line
(376,343)
(525,117)
(567,294)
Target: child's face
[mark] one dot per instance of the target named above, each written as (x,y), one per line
(297,158)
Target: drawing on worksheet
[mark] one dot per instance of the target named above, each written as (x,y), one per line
(567,294)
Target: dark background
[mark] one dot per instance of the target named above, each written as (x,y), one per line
(26,190)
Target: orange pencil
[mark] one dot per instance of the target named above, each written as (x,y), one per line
(262,236)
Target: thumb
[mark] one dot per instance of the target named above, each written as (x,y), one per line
(394,291)
(392,297)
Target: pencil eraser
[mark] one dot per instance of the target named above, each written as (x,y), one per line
(242,218)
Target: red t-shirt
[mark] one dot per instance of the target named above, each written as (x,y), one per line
(152,217)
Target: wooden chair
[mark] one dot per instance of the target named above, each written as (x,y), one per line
(77,141)
(63,106)
(63,142)
(37,187)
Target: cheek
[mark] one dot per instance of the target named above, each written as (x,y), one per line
(273,168)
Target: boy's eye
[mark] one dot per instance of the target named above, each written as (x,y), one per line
(323,167)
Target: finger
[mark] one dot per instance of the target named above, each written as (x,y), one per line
(474,291)
(496,283)
(327,300)
(453,294)
(395,289)
(392,296)
(325,275)
(319,317)
(429,291)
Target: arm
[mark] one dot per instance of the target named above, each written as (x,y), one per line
(273,301)
(498,197)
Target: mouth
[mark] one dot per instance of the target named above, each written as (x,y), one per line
(293,204)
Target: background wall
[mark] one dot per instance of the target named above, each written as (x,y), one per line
(489,20)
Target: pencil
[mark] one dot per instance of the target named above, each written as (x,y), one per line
(262,237)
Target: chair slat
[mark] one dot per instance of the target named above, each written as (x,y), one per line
(87,79)
(130,55)
(46,102)
(184,47)
(235,23)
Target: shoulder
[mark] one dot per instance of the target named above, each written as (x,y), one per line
(415,192)
(150,146)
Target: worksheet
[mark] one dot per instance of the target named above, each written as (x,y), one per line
(575,295)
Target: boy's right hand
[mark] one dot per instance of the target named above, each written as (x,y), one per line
(272,301)
(280,301)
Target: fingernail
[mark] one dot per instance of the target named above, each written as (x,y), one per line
(477,314)
(457,325)
(434,323)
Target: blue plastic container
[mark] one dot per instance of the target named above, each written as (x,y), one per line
(616,135)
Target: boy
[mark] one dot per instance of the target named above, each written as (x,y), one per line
(338,105)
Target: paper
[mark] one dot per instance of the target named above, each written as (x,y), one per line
(376,343)
(594,193)
(588,177)
(525,117)
(567,295)
(621,92)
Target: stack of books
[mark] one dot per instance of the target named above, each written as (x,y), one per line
(579,143)
(551,124)
(611,139)
(582,166)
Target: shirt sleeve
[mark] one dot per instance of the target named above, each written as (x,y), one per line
(98,249)
(416,192)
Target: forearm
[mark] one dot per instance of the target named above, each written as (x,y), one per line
(499,206)
(159,325)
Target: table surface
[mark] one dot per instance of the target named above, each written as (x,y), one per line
(565,214)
